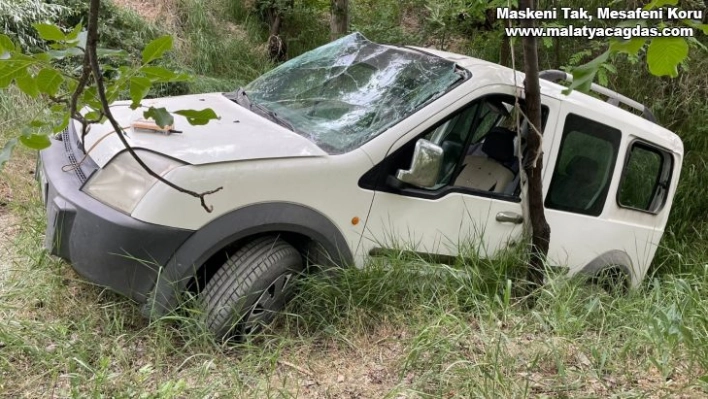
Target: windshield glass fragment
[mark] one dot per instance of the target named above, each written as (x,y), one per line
(347,92)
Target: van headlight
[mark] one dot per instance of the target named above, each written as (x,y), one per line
(122,183)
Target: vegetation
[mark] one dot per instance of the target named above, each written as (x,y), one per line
(400,329)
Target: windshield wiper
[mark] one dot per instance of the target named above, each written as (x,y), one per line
(241,98)
(272,116)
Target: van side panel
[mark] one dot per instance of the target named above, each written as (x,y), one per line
(578,239)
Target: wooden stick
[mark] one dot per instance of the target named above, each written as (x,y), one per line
(298,368)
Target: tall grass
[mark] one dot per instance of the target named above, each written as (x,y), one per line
(400,328)
(305,25)
(17,17)
(215,48)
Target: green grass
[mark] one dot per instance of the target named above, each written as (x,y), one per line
(398,328)
(401,328)
(215,47)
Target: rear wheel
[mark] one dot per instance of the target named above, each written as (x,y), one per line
(251,286)
(612,280)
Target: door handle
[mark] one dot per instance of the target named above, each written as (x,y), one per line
(509,217)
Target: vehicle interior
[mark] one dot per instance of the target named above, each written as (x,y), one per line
(479,147)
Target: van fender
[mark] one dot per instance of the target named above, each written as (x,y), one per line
(616,258)
(232,227)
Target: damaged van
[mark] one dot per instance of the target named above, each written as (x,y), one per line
(349,150)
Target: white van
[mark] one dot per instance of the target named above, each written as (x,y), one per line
(350,150)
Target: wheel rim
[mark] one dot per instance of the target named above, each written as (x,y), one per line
(270,301)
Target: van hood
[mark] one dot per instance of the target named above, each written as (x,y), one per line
(239,134)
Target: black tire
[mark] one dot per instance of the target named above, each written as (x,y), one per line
(612,280)
(250,287)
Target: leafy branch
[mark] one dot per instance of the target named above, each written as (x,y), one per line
(86,95)
(663,54)
(95,68)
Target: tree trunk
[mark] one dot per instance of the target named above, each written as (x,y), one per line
(505,51)
(273,14)
(533,160)
(339,21)
(277,49)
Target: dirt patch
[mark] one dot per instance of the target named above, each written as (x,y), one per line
(366,368)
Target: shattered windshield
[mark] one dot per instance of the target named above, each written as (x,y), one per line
(347,92)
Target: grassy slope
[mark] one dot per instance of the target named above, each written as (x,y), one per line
(379,332)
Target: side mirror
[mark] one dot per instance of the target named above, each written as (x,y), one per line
(425,166)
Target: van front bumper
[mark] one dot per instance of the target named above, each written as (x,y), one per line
(105,246)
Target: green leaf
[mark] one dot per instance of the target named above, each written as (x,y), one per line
(49,81)
(160,115)
(6,43)
(113,92)
(156,48)
(37,123)
(6,152)
(665,54)
(27,84)
(74,34)
(71,85)
(660,3)
(50,32)
(5,79)
(36,141)
(93,115)
(195,117)
(90,98)
(139,88)
(631,46)
(157,74)
(10,69)
(6,47)
(63,125)
(160,74)
(584,75)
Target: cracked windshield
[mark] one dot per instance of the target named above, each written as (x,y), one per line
(349,91)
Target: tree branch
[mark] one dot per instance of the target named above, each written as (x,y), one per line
(94,68)
(83,80)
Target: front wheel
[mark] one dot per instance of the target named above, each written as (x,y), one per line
(251,286)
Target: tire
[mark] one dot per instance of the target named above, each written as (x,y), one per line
(250,287)
(612,280)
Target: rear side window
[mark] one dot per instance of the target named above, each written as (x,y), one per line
(583,172)
(645,179)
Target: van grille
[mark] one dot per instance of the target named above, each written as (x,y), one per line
(66,138)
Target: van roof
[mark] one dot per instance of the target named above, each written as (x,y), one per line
(619,117)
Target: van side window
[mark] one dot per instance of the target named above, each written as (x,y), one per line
(645,179)
(584,167)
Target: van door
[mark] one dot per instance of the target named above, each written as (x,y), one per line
(577,189)
(475,204)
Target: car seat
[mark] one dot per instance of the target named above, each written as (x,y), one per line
(491,170)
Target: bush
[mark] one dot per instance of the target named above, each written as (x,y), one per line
(17,17)
(118,28)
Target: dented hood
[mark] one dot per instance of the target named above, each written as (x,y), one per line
(239,135)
